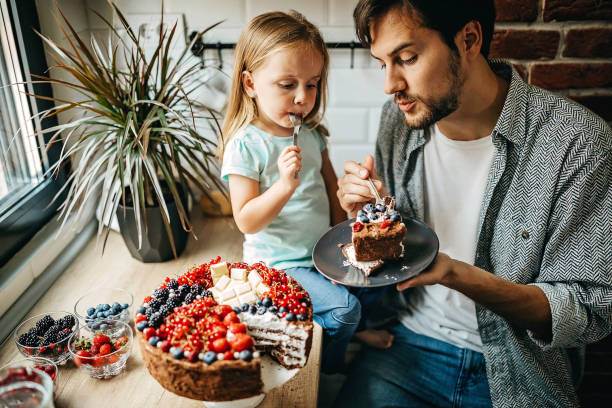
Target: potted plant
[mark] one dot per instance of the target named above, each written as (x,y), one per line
(133,141)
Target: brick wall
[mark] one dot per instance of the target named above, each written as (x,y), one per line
(565,46)
(561,45)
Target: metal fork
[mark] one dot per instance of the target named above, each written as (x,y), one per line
(296,121)
(374,191)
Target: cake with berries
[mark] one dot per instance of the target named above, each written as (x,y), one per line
(378,232)
(202,334)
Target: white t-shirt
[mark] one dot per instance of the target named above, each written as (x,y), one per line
(455,179)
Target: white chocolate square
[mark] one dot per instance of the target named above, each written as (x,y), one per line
(227,294)
(242,287)
(254,278)
(216,294)
(248,297)
(239,274)
(261,289)
(222,283)
(233,302)
(218,270)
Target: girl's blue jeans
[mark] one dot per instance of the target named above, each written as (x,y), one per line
(338,311)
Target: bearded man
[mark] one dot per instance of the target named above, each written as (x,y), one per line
(515,181)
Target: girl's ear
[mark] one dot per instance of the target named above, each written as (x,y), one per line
(248,84)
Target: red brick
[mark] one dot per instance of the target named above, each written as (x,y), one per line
(524,44)
(563,10)
(516,10)
(522,70)
(588,42)
(571,75)
(601,105)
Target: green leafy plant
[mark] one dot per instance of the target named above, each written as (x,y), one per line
(134,126)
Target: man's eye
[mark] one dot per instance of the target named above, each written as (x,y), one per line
(408,61)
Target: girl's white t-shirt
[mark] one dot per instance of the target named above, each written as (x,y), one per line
(456,174)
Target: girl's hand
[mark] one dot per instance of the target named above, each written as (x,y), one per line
(290,162)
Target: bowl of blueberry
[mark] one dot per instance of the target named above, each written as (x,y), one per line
(102,304)
(46,335)
(102,353)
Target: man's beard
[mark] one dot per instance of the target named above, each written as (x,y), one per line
(436,109)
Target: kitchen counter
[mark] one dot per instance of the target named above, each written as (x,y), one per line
(134,387)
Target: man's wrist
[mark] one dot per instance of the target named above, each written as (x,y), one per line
(451,278)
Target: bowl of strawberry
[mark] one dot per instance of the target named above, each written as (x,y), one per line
(46,335)
(102,353)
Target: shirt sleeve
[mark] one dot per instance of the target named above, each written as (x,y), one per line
(238,159)
(320,140)
(576,271)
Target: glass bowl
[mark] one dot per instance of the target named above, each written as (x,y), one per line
(92,359)
(33,336)
(25,387)
(104,304)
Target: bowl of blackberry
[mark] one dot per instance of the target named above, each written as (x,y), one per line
(46,335)
(103,304)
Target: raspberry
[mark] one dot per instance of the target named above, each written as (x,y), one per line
(357,226)
(385,224)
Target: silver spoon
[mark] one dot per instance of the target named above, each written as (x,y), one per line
(296,121)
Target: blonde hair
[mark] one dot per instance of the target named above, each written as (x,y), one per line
(263,35)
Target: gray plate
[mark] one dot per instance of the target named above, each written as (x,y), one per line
(420,249)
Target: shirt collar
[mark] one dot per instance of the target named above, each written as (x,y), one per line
(511,121)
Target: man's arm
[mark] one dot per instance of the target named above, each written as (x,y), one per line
(525,306)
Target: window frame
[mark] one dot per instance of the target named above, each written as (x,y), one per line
(19,223)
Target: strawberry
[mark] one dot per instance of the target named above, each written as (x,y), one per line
(105,349)
(222,310)
(231,318)
(220,345)
(149,332)
(100,339)
(385,224)
(82,357)
(113,358)
(242,342)
(165,346)
(228,355)
(357,226)
(99,361)
(120,342)
(237,328)
(140,318)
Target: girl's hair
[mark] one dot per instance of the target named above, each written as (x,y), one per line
(263,35)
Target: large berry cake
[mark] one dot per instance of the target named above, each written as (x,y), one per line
(202,334)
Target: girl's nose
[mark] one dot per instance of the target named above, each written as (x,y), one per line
(394,81)
(300,95)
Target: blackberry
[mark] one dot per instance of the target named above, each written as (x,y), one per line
(182,291)
(50,336)
(164,310)
(66,322)
(161,294)
(173,284)
(150,312)
(154,304)
(173,302)
(197,289)
(190,298)
(156,320)
(28,339)
(207,293)
(43,325)
(63,334)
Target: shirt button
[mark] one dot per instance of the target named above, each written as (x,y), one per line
(525,235)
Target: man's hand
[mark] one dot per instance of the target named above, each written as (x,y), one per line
(353,191)
(439,272)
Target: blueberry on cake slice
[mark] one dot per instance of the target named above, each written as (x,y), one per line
(378,232)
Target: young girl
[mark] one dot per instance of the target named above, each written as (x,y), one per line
(281,65)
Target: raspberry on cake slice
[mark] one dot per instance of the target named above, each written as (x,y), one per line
(377,235)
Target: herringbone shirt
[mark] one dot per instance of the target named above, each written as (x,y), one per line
(545,220)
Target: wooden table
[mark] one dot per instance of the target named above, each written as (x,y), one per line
(134,387)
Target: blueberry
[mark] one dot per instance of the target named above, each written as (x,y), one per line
(154,340)
(107,313)
(103,326)
(301,317)
(100,307)
(259,302)
(96,326)
(177,353)
(363,219)
(210,357)
(283,309)
(244,307)
(252,309)
(361,213)
(273,309)
(369,207)
(125,306)
(141,309)
(290,317)
(141,325)
(380,207)
(262,310)
(100,315)
(91,311)
(246,355)
(115,305)
(395,217)
(237,310)
(373,216)
(105,306)
(267,302)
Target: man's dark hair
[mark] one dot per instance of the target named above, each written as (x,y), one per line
(447,17)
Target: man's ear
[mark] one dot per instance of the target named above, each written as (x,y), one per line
(248,83)
(469,39)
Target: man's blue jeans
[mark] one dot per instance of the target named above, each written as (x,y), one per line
(417,371)
(335,309)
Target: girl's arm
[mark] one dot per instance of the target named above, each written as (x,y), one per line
(253,211)
(331,185)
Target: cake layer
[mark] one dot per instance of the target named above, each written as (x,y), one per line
(373,243)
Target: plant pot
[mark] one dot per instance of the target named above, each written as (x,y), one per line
(156,245)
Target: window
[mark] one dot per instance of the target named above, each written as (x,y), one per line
(25,190)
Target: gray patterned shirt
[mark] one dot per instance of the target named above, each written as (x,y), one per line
(546,220)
